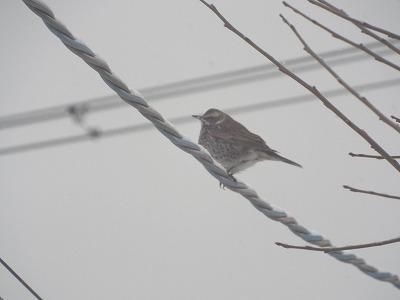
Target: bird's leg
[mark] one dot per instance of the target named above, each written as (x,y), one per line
(229,171)
(230,176)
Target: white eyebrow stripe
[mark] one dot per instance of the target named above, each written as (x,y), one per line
(222,119)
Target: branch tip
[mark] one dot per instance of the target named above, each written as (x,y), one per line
(352,189)
(337,249)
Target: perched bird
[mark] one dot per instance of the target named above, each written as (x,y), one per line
(232,144)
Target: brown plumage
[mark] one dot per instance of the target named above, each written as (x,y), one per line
(232,144)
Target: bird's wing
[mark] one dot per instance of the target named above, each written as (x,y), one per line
(234,132)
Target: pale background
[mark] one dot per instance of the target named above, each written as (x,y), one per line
(133,217)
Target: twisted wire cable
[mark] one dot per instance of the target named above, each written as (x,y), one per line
(134,99)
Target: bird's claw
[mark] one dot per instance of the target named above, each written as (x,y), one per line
(232,177)
(222,186)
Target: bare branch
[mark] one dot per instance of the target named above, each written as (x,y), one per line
(340,13)
(344,39)
(333,249)
(371,156)
(310,88)
(396,119)
(365,24)
(31,290)
(351,189)
(364,100)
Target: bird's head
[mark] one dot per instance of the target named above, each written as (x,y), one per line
(211,117)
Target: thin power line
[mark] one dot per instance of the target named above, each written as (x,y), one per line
(36,295)
(199,84)
(187,119)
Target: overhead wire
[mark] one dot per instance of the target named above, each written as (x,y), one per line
(187,119)
(195,85)
(23,282)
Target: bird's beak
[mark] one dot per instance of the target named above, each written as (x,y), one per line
(197,117)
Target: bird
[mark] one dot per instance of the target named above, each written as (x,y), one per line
(232,145)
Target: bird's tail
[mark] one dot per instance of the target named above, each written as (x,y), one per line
(288,161)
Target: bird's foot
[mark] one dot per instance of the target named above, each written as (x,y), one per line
(232,177)
(222,186)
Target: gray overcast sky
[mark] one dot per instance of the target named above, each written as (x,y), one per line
(133,217)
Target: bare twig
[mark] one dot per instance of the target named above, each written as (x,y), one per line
(371,156)
(364,100)
(312,89)
(344,39)
(351,189)
(365,24)
(333,249)
(340,13)
(396,119)
(31,290)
